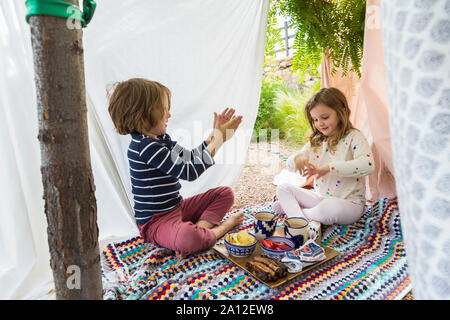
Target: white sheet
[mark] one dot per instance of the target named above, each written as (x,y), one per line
(286,176)
(209,53)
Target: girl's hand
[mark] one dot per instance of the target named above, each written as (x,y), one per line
(301,163)
(318,172)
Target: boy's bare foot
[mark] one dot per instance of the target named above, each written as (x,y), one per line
(235,219)
(227,225)
(219,230)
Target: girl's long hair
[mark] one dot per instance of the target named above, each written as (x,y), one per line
(334,99)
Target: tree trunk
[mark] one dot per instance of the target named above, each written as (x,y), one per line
(70,204)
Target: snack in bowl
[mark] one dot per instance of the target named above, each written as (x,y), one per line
(276,247)
(240,244)
(242,238)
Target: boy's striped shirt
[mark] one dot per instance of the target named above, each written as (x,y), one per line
(156,165)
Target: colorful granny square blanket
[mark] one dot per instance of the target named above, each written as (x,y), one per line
(372,265)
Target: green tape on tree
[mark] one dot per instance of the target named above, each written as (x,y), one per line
(61,9)
(88,10)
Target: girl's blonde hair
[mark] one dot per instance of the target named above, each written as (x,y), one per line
(334,99)
(136,105)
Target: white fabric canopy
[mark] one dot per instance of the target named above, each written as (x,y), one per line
(208,53)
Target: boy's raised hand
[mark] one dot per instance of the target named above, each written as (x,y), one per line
(227,123)
(222,118)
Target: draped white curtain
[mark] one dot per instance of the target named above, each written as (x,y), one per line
(209,53)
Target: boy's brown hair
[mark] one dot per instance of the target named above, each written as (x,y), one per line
(334,99)
(136,105)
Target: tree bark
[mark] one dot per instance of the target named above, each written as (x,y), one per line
(69,190)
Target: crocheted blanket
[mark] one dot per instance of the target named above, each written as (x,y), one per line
(372,265)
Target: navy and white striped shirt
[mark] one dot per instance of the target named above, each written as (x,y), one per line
(156,165)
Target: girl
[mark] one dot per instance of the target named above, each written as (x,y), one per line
(141,108)
(337,156)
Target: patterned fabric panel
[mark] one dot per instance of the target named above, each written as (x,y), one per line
(416,39)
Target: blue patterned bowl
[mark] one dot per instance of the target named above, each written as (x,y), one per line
(277,254)
(240,251)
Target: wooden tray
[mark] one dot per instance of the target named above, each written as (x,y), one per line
(240,262)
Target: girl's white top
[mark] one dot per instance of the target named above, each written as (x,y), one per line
(351,162)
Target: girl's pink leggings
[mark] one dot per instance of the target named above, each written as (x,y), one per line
(177,230)
(299,202)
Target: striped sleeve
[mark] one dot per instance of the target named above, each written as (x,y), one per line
(177,162)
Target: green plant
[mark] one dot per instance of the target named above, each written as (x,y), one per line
(269,89)
(334,26)
(316,86)
(289,116)
(273,36)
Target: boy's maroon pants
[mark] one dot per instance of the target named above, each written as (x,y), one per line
(177,230)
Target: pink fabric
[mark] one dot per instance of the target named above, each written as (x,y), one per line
(367,99)
(177,230)
(299,202)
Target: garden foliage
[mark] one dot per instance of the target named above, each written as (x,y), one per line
(332,26)
(282,108)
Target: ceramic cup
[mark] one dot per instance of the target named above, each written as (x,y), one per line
(265,224)
(296,229)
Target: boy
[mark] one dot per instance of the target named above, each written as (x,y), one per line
(141,107)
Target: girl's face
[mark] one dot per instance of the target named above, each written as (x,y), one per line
(161,127)
(325,119)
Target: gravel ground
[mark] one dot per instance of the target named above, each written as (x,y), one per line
(255,184)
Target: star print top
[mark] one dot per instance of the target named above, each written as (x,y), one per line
(351,162)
